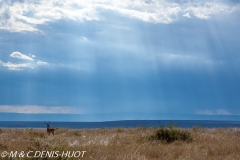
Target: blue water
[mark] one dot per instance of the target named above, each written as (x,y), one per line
(124,124)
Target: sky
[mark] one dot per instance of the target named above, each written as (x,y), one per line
(104,60)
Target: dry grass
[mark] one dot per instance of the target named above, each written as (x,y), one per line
(119,143)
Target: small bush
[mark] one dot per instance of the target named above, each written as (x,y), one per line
(170,125)
(75,133)
(2,146)
(37,144)
(35,133)
(168,135)
(196,128)
(119,129)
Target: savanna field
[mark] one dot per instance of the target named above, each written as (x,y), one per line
(125,144)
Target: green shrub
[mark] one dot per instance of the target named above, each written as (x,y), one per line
(168,135)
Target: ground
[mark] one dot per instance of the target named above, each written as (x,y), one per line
(119,143)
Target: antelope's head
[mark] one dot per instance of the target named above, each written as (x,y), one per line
(48,124)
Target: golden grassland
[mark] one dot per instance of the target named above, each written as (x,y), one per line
(125,144)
